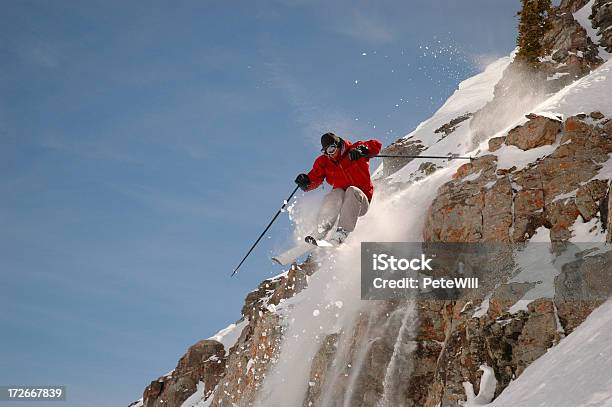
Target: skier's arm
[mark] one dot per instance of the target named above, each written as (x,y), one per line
(365,149)
(373,146)
(317,174)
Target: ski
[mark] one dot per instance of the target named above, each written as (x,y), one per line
(292,254)
(309,244)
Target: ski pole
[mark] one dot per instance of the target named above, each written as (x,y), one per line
(437,157)
(266,229)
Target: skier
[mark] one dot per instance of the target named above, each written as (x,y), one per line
(346,168)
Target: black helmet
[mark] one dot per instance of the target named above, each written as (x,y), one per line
(328,139)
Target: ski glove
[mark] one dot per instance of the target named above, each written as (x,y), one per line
(357,153)
(303,181)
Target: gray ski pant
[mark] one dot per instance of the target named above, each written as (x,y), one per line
(342,205)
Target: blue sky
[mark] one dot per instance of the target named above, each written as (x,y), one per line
(144,145)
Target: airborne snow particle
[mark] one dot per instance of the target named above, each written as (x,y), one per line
(315,313)
(363,54)
(356,81)
(339,304)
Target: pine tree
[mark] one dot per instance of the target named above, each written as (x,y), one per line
(533,24)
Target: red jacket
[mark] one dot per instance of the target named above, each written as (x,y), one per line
(344,172)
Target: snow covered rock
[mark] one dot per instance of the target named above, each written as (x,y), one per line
(570,55)
(572,52)
(602,20)
(272,291)
(204,362)
(248,362)
(452,125)
(351,368)
(257,347)
(485,203)
(576,372)
(507,344)
(231,374)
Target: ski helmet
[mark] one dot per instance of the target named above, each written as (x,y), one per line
(328,139)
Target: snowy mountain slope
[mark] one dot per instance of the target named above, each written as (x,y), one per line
(589,93)
(575,373)
(471,95)
(582,17)
(229,335)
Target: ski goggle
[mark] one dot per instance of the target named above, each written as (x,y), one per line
(330,150)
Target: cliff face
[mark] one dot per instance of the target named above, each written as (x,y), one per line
(489,202)
(571,53)
(540,175)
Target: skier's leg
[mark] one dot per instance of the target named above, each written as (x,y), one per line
(328,213)
(354,205)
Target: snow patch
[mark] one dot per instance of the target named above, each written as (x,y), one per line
(196,398)
(605,172)
(520,305)
(557,75)
(509,156)
(483,308)
(229,335)
(565,196)
(488,382)
(591,231)
(551,115)
(541,235)
(590,93)
(472,177)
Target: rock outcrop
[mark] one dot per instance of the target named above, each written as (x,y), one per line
(452,125)
(570,54)
(487,203)
(602,21)
(258,344)
(538,131)
(582,286)
(204,362)
(232,376)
